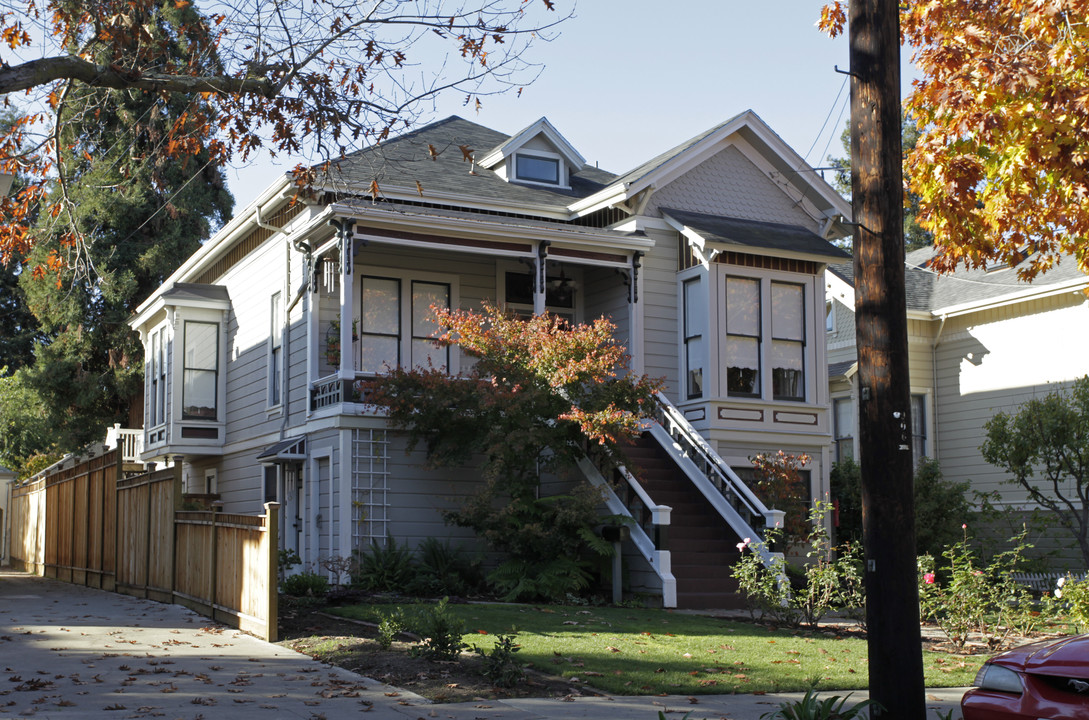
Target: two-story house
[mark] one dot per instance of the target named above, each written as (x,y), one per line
(708,258)
(980,341)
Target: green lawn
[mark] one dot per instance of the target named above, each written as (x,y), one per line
(641,652)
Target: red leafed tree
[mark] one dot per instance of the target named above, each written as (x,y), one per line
(313,77)
(1002,165)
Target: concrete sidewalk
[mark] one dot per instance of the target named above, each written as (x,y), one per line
(72,652)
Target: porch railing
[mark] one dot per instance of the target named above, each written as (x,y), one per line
(129,442)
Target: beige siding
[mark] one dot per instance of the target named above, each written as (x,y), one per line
(659,298)
(994,361)
(607,296)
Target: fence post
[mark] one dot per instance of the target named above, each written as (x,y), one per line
(176,495)
(272,545)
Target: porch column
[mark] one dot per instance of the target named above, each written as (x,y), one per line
(540,277)
(347,299)
(636,352)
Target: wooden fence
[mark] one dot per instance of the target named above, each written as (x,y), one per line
(86,524)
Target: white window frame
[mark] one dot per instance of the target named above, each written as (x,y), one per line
(561,168)
(405,279)
(717,320)
(838,434)
(275,351)
(923,399)
(156,376)
(694,340)
(216,370)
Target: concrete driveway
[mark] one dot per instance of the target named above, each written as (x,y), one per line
(72,652)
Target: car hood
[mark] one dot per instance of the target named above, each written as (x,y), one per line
(1068,657)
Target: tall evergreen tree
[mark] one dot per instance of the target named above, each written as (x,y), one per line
(143,212)
(915,235)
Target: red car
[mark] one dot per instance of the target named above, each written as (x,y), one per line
(1046,680)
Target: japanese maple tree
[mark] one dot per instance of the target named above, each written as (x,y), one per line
(540,393)
(1001,167)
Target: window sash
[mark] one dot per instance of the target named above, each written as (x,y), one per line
(380,325)
(743,337)
(537,169)
(200,371)
(695,322)
(276,358)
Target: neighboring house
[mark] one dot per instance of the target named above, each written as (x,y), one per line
(979,342)
(708,258)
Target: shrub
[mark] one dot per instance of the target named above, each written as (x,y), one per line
(966,595)
(384,568)
(500,665)
(305,584)
(390,625)
(441,631)
(1073,597)
(553,580)
(444,569)
(827,582)
(940,505)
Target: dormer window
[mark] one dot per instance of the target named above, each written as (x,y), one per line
(535,168)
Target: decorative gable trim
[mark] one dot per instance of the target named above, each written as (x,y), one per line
(544,128)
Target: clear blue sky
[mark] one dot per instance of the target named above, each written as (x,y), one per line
(626,80)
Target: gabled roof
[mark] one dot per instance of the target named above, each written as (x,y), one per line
(725,233)
(432,156)
(843,370)
(965,289)
(543,128)
(756,133)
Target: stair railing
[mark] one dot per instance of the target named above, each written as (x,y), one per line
(649,522)
(726,492)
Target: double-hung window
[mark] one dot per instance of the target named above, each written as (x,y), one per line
(843,421)
(787,341)
(743,337)
(200,370)
(695,327)
(918,429)
(156,373)
(397,326)
(276,355)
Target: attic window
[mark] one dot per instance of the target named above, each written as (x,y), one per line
(534,168)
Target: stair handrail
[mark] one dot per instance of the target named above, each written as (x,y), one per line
(680,429)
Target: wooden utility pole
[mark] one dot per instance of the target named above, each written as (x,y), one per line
(888,512)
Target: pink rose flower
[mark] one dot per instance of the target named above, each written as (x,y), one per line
(928,578)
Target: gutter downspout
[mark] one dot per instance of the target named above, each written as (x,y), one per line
(934,378)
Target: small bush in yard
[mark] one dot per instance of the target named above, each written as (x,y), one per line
(384,568)
(500,665)
(305,584)
(966,595)
(441,631)
(390,625)
(1073,598)
(828,582)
